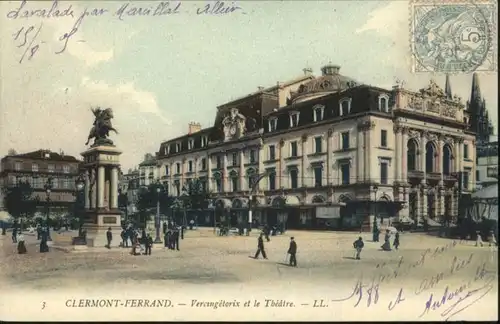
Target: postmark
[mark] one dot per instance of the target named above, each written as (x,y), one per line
(453,36)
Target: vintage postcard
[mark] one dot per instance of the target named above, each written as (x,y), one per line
(249,160)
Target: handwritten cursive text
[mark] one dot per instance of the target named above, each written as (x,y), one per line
(457,299)
(162,9)
(371,292)
(52,12)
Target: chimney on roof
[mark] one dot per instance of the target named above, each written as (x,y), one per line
(307,71)
(193,127)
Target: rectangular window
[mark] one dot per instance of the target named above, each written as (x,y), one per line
(272,181)
(293,149)
(166,170)
(383,138)
(294,120)
(384,172)
(177,147)
(294,177)
(318,176)
(219,162)
(345,140)
(235,159)
(466,151)
(178,168)
(234,183)
(272,152)
(465,180)
(190,144)
(218,184)
(51,167)
(345,170)
(477,176)
(17,166)
(273,123)
(177,188)
(190,166)
(252,156)
(318,114)
(203,164)
(318,141)
(34,167)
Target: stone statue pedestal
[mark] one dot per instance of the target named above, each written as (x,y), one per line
(101,164)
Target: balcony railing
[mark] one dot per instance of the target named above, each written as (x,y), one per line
(433,176)
(450,177)
(492,172)
(416,174)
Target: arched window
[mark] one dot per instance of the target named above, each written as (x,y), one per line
(411,155)
(251,178)
(345,106)
(318,200)
(447,159)
(218,181)
(383,103)
(430,157)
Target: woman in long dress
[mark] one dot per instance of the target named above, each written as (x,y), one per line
(387,243)
(21,246)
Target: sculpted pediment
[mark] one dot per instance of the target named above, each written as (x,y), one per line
(432,90)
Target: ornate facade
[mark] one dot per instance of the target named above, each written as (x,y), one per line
(318,142)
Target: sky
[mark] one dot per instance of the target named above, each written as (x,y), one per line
(159,73)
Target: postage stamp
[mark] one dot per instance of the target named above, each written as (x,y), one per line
(453,36)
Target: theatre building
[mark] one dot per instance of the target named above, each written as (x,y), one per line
(329,152)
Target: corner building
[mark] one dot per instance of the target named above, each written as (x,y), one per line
(328,141)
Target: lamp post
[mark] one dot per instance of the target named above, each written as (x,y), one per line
(375,190)
(157,220)
(184,199)
(79,186)
(48,188)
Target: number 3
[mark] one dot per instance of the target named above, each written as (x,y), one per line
(43,305)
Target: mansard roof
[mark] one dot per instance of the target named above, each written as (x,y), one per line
(45,155)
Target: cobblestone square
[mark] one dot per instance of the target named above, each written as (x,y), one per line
(220,266)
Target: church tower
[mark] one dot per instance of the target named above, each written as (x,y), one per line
(480,121)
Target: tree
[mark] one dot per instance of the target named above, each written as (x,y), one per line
(11,152)
(19,200)
(196,195)
(148,199)
(123,201)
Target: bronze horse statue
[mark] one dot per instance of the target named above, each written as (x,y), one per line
(102,125)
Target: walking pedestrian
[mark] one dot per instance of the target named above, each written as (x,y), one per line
(387,244)
(358,245)
(479,240)
(149,244)
(123,235)
(109,237)
(14,235)
(492,240)
(396,240)
(169,239)
(292,250)
(260,247)
(44,247)
(176,240)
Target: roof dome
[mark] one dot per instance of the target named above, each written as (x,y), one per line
(329,82)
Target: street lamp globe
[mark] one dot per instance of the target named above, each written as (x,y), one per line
(47,191)
(158,190)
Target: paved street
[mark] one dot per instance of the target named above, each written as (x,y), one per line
(209,264)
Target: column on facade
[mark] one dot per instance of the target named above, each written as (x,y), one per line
(368,152)
(360,157)
(87,189)
(423,143)
(183,173)
(404,156)
(262,184)
(399,153)
(209,173)
(100,186)
(282,172)
(440,192)
(242,170)
(303,167)
(461,155)
(329,157)
(114,188)
(93,202)
(225,175)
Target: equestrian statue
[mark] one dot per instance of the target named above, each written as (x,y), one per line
(102,126)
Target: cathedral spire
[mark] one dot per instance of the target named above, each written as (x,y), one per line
(475,95)
(447,87)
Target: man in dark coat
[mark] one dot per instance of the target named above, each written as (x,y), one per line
(358,245)
(164,228)
(109,237)
(149,244)
(14,234)
(292,250)
(260,247)
(43,242)
(124,237)
(176,240)
(169,239)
